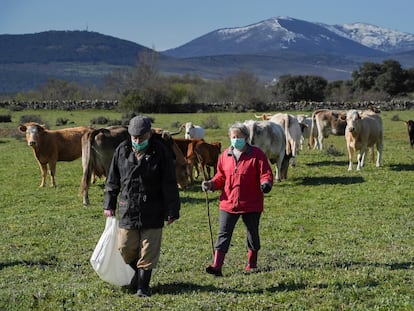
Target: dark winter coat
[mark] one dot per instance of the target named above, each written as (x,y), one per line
(147,188)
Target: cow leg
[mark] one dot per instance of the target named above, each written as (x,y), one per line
(284,167)
(86,198)
(52,168)
(279,163)
(197,171)
(351,152)
(190,173)
(320,142)
(43,172)
(361,158)
(208,171)
(379,154)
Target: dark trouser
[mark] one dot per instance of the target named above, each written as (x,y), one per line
(227,222)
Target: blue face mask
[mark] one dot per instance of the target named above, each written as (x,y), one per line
(140,146)
(238,143)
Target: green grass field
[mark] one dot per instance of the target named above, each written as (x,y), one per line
(331,239)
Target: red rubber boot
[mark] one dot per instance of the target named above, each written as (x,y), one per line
(215,269)
(251,260)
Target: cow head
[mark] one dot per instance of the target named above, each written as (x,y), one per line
(33,132)
(352,119)
(338,123)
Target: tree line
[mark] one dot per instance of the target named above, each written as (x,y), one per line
(143,88)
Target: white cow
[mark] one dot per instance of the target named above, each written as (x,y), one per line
(363,130)
(306,125)
(193,131)
(293,133)
(269,137)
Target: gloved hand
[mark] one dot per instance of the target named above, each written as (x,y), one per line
(265,187)
(207,185)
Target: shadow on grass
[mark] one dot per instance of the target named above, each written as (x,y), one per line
(409,265)
(40,263)
(329,163)
(329,180)
(402,167)
(181,287)
(392,266)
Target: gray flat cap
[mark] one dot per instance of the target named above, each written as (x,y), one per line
(139,125)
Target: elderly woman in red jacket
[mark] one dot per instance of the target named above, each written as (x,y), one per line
(243,175)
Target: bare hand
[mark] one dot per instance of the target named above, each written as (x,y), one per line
(109,212)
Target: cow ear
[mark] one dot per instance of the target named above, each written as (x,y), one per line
(22,128)
(41,128)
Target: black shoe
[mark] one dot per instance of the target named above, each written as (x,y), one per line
(214,271)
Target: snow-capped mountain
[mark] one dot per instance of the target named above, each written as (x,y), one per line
(288,34)
(383,39)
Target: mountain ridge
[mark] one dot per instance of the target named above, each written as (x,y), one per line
(282,33)
(269,49)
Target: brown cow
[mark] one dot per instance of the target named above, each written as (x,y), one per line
(98,147)
(326,122)
(50,146)
(207,156)
(363,131)
(187,148)
(181,169)
(410,128)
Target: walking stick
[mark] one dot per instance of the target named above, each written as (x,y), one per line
(207,205)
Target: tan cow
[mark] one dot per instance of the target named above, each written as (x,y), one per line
(363,131)
(293,134)
(50,146)
(326,122)
(98,147)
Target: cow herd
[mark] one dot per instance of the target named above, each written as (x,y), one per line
(97,146)
(280,136)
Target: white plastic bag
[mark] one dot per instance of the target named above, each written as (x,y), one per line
(106,258)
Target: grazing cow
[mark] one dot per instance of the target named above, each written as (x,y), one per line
(269,137)
(193,131)
(98,147)
(325,122)
(363,131)
(207,156)
(410,127)
(50,146)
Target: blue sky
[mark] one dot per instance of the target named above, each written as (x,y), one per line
(164,24)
